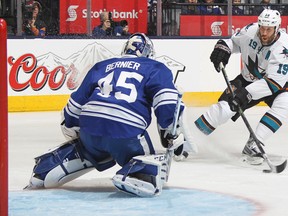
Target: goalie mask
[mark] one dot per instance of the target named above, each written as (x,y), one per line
(139,45)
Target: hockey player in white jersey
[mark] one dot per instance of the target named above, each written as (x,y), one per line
(264,54)
(106,121)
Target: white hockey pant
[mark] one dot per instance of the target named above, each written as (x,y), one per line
(270,122)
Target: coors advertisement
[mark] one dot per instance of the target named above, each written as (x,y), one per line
(51,71)
(60,66)
(74,13)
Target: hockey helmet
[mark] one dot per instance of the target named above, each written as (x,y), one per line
(140,45)
(270,17)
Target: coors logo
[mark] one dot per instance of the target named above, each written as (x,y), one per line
(52,70)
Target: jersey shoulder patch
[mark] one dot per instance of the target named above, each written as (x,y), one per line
(285,51)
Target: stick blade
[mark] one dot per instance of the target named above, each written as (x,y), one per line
(281,167)
(276,169)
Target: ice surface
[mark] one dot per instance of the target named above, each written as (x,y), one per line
(208,181)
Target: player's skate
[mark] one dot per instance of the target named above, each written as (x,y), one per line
(251,153)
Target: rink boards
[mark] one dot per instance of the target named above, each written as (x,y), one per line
(42,73)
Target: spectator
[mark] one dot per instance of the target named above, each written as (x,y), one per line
(266,4)
(122,29)
(284,10)
(222,7)
(104,29)
(210,9)
(34,25)
(237,9)
(151,2)
(191,9)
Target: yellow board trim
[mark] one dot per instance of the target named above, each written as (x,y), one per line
(57,102)
(36,103)
(200,99)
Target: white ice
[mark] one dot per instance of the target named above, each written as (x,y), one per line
(217,167)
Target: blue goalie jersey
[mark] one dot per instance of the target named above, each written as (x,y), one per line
(116,96)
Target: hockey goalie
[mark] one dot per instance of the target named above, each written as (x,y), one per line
(106,121)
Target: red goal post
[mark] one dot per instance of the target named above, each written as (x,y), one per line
(3,120)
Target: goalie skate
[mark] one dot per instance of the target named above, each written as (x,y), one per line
(251,153)
(34,183)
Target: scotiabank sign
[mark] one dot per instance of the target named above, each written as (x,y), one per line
(191,25)
(73,14)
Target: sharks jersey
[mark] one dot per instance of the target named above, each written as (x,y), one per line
(116,97)
(265,66)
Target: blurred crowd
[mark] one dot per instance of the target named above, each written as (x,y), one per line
(41,18)
(239,7)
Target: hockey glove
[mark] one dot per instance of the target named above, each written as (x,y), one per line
(183,142)
(168,141)
(221,53)
(242,98)
(181,153)
(176,144)
(70,133)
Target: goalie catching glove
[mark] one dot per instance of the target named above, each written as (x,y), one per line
(221,53)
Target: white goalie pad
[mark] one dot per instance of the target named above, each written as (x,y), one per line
(58,176)
(134,186)
(143,176)
(63,164)
(74,169)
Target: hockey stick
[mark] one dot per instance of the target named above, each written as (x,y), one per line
(169,152)
(273,168)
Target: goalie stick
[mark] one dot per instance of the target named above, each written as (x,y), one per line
(273,168)
(169,152)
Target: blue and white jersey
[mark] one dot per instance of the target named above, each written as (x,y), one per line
(116,97)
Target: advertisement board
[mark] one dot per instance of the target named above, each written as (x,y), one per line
(43,73)
(193,25)
(73,14)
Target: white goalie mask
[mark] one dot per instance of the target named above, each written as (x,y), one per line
(140,45)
